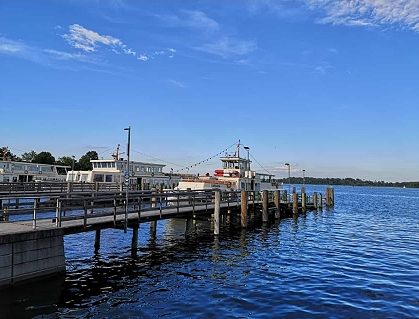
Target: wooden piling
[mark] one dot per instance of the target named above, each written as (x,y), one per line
(327,197)
(332,196)
(217,212)
(315,200)
(153,198)
(277,196)
(295,203)
(320,201)
(303,199)
(97,240)
(244,208)
(265,199)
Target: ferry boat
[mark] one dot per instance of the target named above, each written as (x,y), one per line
(140,174)
(234,175)
(14,171)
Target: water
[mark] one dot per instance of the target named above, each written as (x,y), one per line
(357,260)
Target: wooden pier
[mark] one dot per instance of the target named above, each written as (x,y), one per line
(34,225)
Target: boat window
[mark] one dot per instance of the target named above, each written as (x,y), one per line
(108,178)
(84,177)
(18,167)
(98,178)
(46,169)
(113,165)
(143,168)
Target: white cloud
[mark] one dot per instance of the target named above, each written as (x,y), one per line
(191,19)
(88,40)
(142,57)
(368,12)
(152,55)
(226,47)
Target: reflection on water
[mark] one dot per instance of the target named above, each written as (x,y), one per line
(356,260)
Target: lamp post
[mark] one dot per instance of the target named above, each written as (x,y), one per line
(304,181)
(289,177)
(247,148)
(127,179)
(72,169)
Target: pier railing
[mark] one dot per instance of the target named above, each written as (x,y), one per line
(88,206)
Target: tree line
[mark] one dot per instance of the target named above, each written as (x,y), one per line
(82,164)
(346,182)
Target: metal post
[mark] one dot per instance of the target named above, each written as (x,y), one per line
(127,183)
(289,177)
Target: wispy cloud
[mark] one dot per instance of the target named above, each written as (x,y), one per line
(398,13)
(368,12)
(147,56)
(88,40)
(45,56)
(177,84)
(189,18)
(227,47)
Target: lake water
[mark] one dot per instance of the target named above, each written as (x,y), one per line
(359,259)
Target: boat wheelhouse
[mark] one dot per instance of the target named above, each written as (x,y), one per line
(115,171)
(13,171)
(235,175)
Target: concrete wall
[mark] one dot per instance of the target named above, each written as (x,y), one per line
(30,255)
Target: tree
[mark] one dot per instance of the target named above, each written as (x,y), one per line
(68,161)
(44,158)
(84,161)
(29,156)
(6,155)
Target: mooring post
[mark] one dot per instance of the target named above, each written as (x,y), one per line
(303,199)
(320,201)
(265,199)
(277,196)
(295,203)
(294,190)
(332,196)
(315,200)
(97,239)
(244,208)
(217,212)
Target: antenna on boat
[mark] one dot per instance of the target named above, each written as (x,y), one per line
(116,154)
(238,150)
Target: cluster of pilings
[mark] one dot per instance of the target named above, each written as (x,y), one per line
(283,206)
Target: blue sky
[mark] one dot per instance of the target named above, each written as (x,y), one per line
(327,86)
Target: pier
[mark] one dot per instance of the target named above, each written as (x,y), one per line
(34,223)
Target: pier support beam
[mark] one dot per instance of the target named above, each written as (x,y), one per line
(217,212)
(244,209)
(265,199)
(134,241)
(315,200)
(153,228)
(277,196)
(97,240)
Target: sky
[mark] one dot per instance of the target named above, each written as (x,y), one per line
(330,87)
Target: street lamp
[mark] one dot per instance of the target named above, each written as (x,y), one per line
(72,169)
(127,179)
(247,148)
(304,181)
(289,177)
